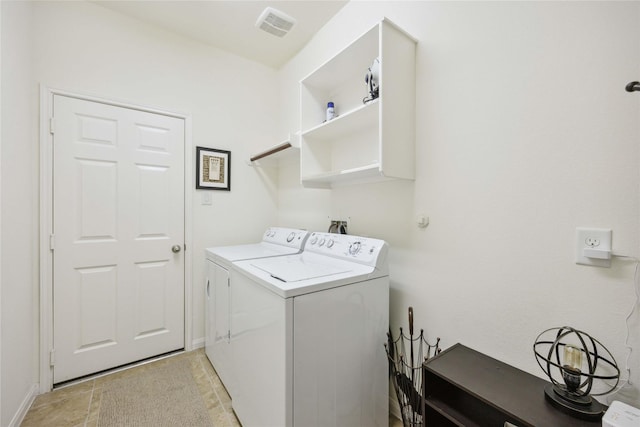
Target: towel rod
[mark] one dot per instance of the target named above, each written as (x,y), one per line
(633,87)
(271,151)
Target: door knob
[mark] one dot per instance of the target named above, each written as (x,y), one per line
(175,249)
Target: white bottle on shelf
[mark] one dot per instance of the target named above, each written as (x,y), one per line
(331,113)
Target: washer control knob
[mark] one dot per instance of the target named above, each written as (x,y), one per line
(322,241)
(330,243)
(290,237)
(313,240)
(354,248)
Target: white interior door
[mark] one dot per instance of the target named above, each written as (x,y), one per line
(118,225)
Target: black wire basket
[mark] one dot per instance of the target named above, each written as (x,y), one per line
(406,355)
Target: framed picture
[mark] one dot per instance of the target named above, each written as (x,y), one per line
(213,169)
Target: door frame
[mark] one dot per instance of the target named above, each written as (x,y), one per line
(46,222)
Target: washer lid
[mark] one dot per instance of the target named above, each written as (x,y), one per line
(276,241)
(249,251)
(304,273)
(285,270)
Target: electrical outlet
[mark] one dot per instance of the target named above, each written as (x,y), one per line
(592,242)
(597,242)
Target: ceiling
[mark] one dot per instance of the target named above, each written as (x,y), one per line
(230,24)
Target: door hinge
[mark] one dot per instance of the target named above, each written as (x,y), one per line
(228,283)
(52,357)
(52,126)
(52,241)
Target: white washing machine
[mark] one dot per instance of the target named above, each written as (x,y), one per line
(276,241)
(308,335)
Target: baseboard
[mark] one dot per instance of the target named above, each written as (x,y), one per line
(24,407)
(197,343)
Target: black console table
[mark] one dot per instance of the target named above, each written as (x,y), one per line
(462,387)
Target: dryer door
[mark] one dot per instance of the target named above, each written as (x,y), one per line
(217,346)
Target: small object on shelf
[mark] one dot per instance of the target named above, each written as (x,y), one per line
(331,112)
(405,370)
(583,359)
(372,78)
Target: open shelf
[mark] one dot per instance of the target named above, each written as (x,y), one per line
(368,173)
(366,142)
(363,116)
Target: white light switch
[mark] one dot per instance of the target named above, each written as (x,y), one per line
(206,198)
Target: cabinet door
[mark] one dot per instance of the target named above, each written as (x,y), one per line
(217,332)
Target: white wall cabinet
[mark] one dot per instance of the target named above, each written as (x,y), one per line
(365,142)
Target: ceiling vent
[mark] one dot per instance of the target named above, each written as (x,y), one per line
(275,22)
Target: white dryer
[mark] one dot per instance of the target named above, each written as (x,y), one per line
(276,241)
(308,335)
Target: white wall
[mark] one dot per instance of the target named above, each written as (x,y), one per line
(83,48)
(19,209)
(524,132)
(0,212)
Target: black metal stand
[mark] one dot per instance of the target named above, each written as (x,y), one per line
(593,410)
(405,368)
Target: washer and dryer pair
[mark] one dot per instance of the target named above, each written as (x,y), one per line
(296,325)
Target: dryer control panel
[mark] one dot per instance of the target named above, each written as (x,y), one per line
(291,237)
(363,250)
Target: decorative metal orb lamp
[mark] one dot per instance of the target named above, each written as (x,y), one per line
(572,359)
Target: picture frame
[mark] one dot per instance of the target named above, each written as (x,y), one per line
(213,169)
